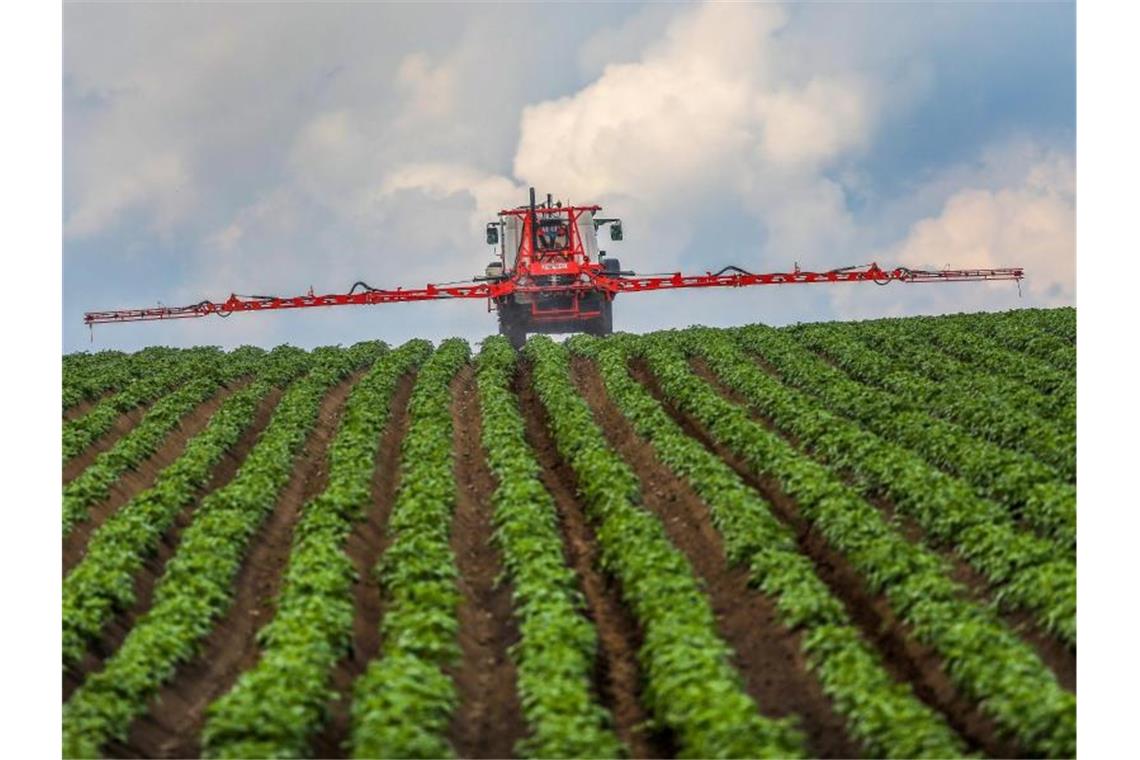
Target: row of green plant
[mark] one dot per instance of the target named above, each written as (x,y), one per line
(1061,322)
(78,361)
(196,586)
(883,715)
(975,402)
(103,581)
(93,485)
(276,707)
(86,376)
(1028,489)
(915,353)
(557,648)
(983,354)
(1014,338)
(1019,331)
(987,662)
(1025,570)
(403,702)
(690,685)
(162,374)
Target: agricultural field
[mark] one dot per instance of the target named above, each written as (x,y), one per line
(823,540)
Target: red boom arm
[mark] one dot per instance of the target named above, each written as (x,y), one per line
(735,278)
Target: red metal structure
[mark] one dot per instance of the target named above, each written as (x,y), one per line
(550,277)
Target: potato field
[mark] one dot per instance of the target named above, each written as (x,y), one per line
(824,540)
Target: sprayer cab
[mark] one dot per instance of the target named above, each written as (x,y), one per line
(549,252)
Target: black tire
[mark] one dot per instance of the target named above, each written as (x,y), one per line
(513,330)
(607,317)
(603,324)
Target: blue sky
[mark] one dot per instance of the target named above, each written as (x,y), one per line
(258,148)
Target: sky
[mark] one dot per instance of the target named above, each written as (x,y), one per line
(268,148)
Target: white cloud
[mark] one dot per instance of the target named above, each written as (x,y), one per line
(699,107)
(430,89)
(490,192)
(707,116)
(1028,219)
(159,181)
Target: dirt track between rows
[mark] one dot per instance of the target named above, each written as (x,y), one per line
(489,719)
(618,680)
(365,546)
(904,657)
(154,565)
(767,654)
(172,726)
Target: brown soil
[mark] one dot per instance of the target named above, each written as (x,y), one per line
(1057,656)
(154,566)
(136,480)
(618,676)
(767,654)
(176,716)
(86,405)
(489,719)
(120,427)
(366,544)
(903,656)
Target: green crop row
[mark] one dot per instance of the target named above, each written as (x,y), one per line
(86,376)
(555,655)
(1018,331)
(275,708)
(1028,489)
(196,587)
(976,403)
(1060,322)
(403,702)
(987,662)
(94,483)
(884,716)
(690,684)
(982,354)
(1024,568)
(103,582)
(913,351)
(162,374)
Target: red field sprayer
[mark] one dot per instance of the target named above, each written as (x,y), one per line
(550,277)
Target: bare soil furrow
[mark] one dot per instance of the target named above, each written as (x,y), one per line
(767,654)
(155,564)
(904,657)
(135,481)
(122,425)
(1056,655)
(365,546)
(172,726)
(85,406)
(618,678)
(489,719)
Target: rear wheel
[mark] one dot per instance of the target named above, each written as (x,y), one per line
(512,329)
(607,317)
(603,324)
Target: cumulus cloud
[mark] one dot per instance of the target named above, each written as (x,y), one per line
(1027,217)
(490,192)
(705,116)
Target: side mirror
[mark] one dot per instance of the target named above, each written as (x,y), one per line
(615,231)
(492,234)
